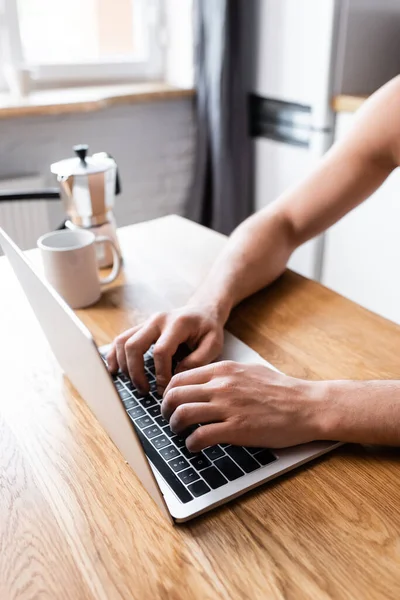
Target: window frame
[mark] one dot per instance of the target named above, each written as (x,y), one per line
(149,64)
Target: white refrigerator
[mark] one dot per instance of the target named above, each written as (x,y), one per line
(306,52)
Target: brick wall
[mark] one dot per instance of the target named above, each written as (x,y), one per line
(153,144)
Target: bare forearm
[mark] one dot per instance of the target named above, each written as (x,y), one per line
(255,255)
(364,412)
(258,250)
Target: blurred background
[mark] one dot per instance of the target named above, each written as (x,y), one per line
(210,108)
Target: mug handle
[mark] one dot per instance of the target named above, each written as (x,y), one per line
(101,239)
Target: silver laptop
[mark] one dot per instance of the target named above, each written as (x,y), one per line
(183,485)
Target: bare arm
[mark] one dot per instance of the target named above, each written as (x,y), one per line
(250,405)
(257,252)
(264,408)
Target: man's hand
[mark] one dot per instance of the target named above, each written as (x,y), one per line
(244,405)
(200,328)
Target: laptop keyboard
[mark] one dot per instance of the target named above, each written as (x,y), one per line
(188,475)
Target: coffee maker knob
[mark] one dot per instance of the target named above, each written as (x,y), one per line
(81,151)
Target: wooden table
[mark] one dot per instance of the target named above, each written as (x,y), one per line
(75,521)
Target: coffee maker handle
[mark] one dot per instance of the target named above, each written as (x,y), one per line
(118,186)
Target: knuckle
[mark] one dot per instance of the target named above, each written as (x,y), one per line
(226,366)
(223,382)
(215,339)
(130,345)
(227,385)
(159,317)
(170,400)
(176,380)
(185,319)
(159,351)
(239,421)
(120,341)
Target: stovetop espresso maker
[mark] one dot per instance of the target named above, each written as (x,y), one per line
(88,187)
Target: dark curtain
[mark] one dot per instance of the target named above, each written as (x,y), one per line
(221,194)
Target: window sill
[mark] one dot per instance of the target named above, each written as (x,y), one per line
(86,99)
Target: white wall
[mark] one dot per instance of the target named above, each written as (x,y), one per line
(362,251)
(153,144)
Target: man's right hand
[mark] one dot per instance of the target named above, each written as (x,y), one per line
(200,328)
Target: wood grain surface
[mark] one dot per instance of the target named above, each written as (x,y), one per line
(75,522)
(85,98)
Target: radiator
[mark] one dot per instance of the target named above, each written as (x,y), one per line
(24,220)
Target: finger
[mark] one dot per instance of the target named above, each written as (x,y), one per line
(111,359)
(197,376)
(119,345)
(206,352)
(191,414)
(183,395)
(207,435)
(135,348)
(164,350)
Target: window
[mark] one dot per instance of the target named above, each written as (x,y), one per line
(72,41)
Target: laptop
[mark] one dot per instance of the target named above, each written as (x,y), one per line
(182,484)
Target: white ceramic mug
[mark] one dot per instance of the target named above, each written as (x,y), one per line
(70,265)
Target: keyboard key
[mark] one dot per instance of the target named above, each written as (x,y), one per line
(160,442)
(242,458)
(138,395)
(178,464)
(228,468)
(156,396)
(200,462)
(136,412)
(154,411)
(162,466)
(124,394)
(148,361)
(150,376)
(124,378)
(214,452)
(130,403)
(188,476)
(178,441)
(213,477)
(153,386)
(150,367)
(152,431)
(265,457)
(254,450)
(160,420)
(147,401)
(119,385)
(131,386)
(168,431)
(198,488)
(144,422)
(169,452)
(186,452)
(189,430)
